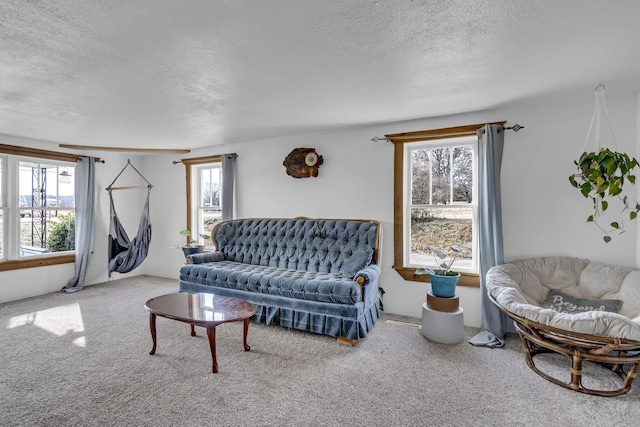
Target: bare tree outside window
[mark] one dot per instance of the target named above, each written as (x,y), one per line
(211,195)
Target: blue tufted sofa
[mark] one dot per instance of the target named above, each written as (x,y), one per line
(317,275)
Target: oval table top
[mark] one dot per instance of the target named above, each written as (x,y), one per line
(199,307)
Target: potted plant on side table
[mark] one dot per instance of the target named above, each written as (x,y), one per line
(444,280)
(192,247)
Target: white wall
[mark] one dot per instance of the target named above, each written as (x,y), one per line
(542,213)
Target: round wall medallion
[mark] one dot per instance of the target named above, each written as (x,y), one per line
(311,159)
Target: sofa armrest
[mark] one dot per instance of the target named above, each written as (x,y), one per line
(367,275)
(204,257)
(367,278)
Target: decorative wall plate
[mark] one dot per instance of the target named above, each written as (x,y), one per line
(302,163)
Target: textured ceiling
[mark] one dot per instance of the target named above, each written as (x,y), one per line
(188,74)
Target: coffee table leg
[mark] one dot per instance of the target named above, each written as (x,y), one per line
(211,333)
(152,326)
(244,335)
(193,331)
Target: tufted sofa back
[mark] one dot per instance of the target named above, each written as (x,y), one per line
(319,245)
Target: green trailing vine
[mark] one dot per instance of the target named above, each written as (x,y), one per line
(601,177)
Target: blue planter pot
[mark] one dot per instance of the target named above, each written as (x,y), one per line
(444,286)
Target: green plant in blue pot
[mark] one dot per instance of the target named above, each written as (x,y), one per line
(444,280)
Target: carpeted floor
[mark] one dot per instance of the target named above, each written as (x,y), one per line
(82,360)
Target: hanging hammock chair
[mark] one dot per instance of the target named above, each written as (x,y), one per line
(125,254)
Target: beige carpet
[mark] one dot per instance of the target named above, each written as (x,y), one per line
(82,360)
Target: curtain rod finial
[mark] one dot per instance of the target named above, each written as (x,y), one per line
(378,139)
(515,127)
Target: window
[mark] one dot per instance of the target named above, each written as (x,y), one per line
(435,198)
(204,194)
(37,216)
(206,200)
(440,207)
(47,207)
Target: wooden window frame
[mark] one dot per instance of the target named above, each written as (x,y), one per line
(399,140)
(45,260)
(189,163)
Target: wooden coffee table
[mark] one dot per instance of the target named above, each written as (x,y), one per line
(200,309)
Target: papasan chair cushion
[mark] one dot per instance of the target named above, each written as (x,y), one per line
(520,288)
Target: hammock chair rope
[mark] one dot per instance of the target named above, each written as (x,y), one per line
(111,187)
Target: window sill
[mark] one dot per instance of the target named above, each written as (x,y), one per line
(40,261)
(408,273)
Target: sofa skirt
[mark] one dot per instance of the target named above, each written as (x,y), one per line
(336,320)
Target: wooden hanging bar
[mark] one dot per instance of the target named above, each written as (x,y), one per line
(149,186)
(130,187)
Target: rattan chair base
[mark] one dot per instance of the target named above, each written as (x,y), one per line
(621,356)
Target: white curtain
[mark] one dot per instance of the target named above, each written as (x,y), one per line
(228,173)
(490,146)
(84,195)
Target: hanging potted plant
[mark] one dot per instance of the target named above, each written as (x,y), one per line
(603,173)
(601,177)
(443,280)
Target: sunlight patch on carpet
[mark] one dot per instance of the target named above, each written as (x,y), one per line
(62,321)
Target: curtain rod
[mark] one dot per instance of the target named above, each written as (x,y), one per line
(514,128)
(230,155)
(95,160)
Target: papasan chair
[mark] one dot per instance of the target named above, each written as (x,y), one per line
(585,310)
